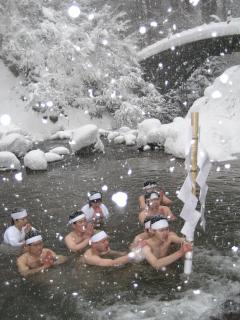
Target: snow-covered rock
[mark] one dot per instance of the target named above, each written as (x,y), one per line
(103,132)
(35,160)
(146,129)
(123,130)
(119,139)
(86,136)
(146,148)
(176,135)
(8,161)
(61,135)
(16,143)
(52,156)
(112,135)
(130,139)
(60,150)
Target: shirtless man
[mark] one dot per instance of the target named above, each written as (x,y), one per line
(15,234)
(157,247)
(150,186)
(155,209)
(100,253)
(146,234)
(36,258)
(77,240)
(95,211)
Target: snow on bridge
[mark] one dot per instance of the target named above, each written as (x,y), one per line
(206,31)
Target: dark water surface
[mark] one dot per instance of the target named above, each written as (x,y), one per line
(133,291)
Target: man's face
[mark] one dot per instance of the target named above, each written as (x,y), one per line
(96,203)
(36,248)
(102,246)
(154,203)
(20,223)
(80,226)
(162,234)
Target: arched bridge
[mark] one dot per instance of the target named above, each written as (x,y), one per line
(170,61)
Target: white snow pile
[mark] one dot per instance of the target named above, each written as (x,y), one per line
(35,160)
(219,112)
(123,135)
(61,135)
(86,136)
(219,118)
(60,150)
(8,161)
(148,132)
(14,139)
(52,156)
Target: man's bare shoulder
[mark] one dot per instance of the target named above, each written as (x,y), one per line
(23,258)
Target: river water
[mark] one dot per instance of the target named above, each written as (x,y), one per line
(135,291)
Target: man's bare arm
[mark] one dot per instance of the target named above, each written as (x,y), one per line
(76,247)
(165,261)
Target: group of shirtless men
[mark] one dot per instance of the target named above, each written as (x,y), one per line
(88,238)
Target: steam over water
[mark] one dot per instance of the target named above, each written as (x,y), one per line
(134,291)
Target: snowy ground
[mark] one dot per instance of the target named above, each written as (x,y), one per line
(31,121)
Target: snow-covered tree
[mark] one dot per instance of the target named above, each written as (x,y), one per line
(87,62)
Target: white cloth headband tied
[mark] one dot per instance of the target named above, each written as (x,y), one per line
(160,224)
(19,214)
(80,217)
(95,196)
(147,224)
(98,237)
(154,196)
(34,239)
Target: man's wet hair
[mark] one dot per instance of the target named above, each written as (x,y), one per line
(147,219)
(149,183)
(156,218)
(74,215)
(32,233)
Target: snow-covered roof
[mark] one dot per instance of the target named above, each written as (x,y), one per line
(206,31)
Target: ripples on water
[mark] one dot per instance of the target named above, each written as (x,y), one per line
(133,291)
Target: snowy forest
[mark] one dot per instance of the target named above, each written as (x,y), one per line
(89,62)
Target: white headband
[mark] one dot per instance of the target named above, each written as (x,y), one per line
(34,239)
(153,196)
(19,215)
(147,224)
(98,236)
(95,196)
(80,217)
(149,186)
(160,224)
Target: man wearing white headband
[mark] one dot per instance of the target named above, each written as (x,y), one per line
(15,234)
(95,211)
(150,186)
(36,258)
(100,253)
(144,235)
(154,208)
(77,240)
(157,247)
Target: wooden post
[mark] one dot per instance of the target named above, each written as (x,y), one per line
(194,172)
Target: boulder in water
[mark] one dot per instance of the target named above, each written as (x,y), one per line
(35,160)
(8,161)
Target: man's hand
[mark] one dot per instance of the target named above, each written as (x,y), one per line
(48,260)
(186,247)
